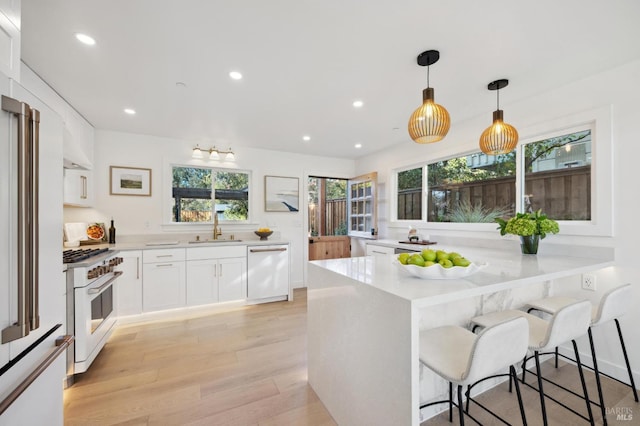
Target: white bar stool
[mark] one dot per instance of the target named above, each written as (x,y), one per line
(569,323)
(612,306)
(462,357)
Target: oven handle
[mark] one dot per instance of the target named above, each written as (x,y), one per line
(97,290)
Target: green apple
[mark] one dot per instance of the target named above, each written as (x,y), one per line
(441,255)
(445,263)
(429,263)
(403,257)
(461,261)
(415,259)
(429,255)
(453,255)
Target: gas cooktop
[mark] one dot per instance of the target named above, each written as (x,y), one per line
(74,256)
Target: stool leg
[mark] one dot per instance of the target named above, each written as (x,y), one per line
(524,367)
(584,385)
(626,360)
(597,374)
(540,390)
(512,376)
(468,398)
(450,402)
(460,405)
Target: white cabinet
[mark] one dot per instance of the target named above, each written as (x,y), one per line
(376,250)
(129,285)
(163,286)
(268,272)
(10,38)
(78,188)
(78,138)
(216,274)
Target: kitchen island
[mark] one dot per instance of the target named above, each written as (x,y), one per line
(365,314)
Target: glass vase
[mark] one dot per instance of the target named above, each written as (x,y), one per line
(529,244)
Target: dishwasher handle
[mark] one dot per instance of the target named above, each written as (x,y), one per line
(267,249)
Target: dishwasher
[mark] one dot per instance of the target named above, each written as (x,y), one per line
(268,273)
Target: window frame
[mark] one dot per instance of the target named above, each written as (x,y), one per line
(169,200)
(599,120)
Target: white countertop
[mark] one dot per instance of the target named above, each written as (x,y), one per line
(506,269)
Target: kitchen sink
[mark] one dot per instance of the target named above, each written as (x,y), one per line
(213,241)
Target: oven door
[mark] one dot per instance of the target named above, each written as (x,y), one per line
(94,319)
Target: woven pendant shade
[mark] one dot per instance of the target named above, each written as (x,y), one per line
(430,122)
(500,137)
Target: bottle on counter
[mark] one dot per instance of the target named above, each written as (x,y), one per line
(112,233)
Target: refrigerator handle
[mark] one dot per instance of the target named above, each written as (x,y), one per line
(35,211)
(22,326)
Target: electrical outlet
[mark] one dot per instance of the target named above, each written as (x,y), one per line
(589,282)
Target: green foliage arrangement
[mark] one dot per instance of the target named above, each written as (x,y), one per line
(525,224)
(467,213)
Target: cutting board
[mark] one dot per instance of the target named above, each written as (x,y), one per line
(75,231)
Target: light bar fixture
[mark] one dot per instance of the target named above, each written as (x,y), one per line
(214,154)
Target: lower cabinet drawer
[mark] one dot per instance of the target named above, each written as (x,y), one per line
(163,255)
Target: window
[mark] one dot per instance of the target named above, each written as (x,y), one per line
(410,194)
(362,208)
(557,176)
(476,188)
(197,192)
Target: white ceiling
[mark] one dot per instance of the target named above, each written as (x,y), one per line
(304,62)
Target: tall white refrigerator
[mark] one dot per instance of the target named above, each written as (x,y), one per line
(32,285)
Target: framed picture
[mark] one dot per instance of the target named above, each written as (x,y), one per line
(130,181)
(281,194)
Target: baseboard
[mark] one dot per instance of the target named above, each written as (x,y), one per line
(614,370)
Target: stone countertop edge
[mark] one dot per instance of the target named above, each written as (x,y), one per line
(142,245)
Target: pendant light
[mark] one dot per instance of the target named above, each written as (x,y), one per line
(430,122)
(500,137)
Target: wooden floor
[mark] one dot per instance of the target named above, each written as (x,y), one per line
(244,367)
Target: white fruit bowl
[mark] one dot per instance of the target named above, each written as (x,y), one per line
(437,272)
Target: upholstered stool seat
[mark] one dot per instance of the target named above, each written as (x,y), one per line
(568,323)
(612,306)
(462,357)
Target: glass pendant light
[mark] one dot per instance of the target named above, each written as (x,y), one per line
(430,122)
(500,137)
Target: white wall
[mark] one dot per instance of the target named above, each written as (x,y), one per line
(617,88)
(144,215)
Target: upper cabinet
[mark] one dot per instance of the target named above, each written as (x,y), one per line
(78,139)
(78,188)
(78,132)
(10,38)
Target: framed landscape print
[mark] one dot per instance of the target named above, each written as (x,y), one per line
(130,181)
(281,194)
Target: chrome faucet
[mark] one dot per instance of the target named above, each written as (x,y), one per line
(216,229)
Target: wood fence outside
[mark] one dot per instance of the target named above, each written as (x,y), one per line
(333,219)
(563,194)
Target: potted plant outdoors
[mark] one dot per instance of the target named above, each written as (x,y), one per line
(531,227)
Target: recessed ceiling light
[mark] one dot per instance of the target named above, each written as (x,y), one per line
(85,39)
(306,138)
(358,145)
(235,75)
(130,111)
(181,85)
(357,104)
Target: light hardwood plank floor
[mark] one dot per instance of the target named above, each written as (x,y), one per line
(247,366)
